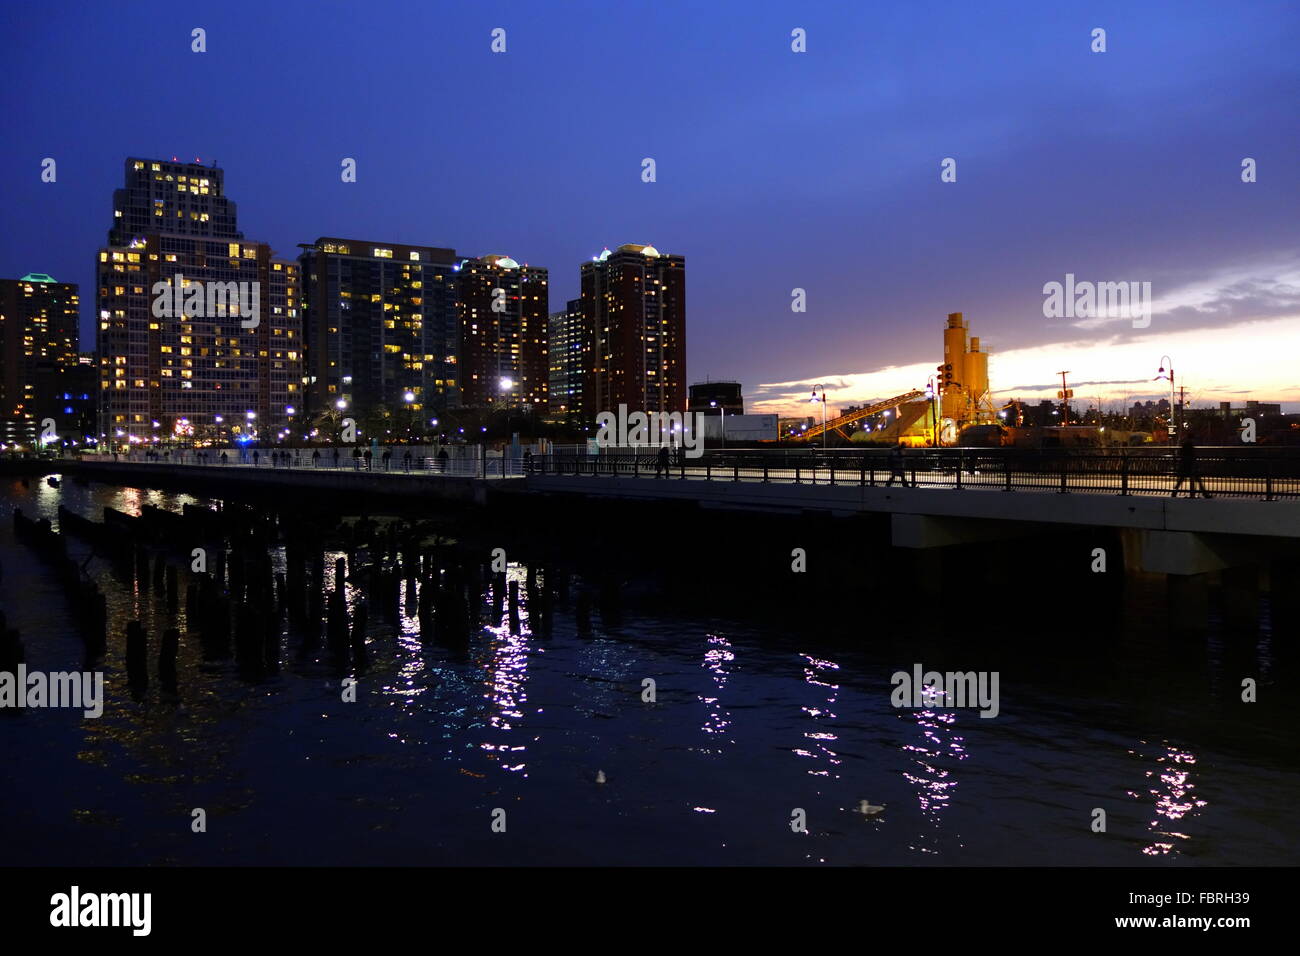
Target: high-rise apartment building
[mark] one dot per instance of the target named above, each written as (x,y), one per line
(503,309)
(634,304)
(381,326)
(570,348)
(199,331)
(172,198)
(38,357)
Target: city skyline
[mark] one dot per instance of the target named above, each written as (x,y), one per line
(379,494)
(1148,138)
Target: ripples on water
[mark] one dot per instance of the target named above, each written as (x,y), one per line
(748,725)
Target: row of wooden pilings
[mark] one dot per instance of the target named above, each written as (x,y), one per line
(236,604)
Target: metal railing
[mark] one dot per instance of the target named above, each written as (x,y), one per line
(1258,473)
(306,460)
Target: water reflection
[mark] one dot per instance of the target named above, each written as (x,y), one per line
(933,766)
(1174,803)
(507,672)
(421,745)
(718,655)
(821,674)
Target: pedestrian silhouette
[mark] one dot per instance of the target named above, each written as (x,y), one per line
(661,462)
(1188,471)
(896,466)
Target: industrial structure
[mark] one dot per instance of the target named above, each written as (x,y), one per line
(962,382)
(957,397)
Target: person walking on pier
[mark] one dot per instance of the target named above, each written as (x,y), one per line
(315,458)
(1187,471)
(386,457)
(661,462)
(406,460)
(896,466)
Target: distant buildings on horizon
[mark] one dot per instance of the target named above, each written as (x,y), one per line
(370,330)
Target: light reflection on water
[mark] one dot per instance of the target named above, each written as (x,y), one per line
(934,760)
(718,657)
(821,674)
(1170,786)
(746,725)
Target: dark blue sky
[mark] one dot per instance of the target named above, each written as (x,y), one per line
(776,170)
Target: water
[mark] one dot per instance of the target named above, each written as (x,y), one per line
(750,722)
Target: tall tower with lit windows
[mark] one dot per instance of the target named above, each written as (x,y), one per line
(633,305)
(196,375)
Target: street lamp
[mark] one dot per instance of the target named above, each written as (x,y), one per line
(934,414)
(823,401)
(1165,360)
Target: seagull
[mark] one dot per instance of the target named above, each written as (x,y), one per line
(600,776)
(869,810)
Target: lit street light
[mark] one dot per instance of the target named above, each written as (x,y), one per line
(1165,360)
(934,414)
(823,401)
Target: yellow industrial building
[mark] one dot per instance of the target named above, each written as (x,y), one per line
(960,399)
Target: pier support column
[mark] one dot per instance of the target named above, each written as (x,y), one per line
(1241,598)
(1284,600)
(1188,603)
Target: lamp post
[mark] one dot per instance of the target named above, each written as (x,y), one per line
(1066,394)
(823,401)
(409,397)
(722,422)
(1167,363)
(934,415)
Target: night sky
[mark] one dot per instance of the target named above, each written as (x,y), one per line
(775,169)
